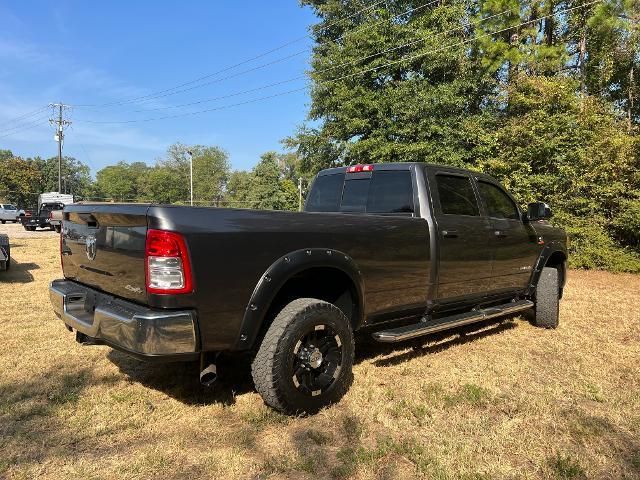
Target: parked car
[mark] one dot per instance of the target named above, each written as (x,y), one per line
(47,203)
(10,213)
(397,250)
(5,252)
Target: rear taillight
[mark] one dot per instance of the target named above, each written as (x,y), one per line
(168,268)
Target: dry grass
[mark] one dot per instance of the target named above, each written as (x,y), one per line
(502,401)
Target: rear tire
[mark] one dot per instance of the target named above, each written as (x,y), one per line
(547,308)
(3,221)
(57,228)
(305,359)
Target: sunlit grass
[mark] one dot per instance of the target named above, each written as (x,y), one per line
(502,401)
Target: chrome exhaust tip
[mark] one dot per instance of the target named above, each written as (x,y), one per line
(209,375)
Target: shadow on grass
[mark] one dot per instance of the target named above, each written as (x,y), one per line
(18,272)
(367,348)
(181,380)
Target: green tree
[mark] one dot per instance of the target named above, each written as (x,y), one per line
(20,180)
(210,172)
(269,190)
(613,63)
(121,181)
(408,103)
(76,178)
(543,97)
(576,155)
(238,189)
(160,184)
(270,185)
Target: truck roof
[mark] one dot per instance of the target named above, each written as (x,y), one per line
(397,166)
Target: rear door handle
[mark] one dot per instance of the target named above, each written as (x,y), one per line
(450,233)
(500,234)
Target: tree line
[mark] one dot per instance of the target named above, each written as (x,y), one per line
(271,184)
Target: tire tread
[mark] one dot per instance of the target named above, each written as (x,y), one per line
(265,367)
(547,299)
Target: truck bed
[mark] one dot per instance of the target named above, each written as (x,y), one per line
(231,249)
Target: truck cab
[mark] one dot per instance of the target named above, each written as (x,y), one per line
(481,242)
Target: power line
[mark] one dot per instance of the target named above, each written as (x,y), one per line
(231,67)
(22,123)
(268,64)
(334,67)
(413,57)
(36,123)
(299,77)
(25,115)
(337,66)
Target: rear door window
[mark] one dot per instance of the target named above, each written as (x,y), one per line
(456,195)
(390,192)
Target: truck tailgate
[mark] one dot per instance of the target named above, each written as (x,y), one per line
(103,247)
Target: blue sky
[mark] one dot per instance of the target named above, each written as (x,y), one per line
(96,53)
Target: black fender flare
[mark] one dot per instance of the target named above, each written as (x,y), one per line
(546,253)
(283,269)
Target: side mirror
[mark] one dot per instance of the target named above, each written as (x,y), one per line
(538,211)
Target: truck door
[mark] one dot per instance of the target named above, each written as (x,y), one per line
(514,242)
(465,256)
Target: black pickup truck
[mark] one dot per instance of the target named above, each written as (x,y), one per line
(396,250)
(42,218)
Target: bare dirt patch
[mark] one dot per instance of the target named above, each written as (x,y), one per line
(503,400)
(16,230)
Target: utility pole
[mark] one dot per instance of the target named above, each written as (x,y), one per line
(191,174)
(60,124)
(300,193)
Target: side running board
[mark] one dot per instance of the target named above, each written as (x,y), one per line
(423,328)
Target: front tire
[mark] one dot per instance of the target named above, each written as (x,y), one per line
(547,309)
(305,359)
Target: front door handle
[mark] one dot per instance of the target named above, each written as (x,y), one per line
(450,233)
(500,234)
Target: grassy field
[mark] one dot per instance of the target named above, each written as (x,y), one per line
(505,400)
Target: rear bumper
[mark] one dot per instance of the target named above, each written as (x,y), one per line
(33,221)
(126,326)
